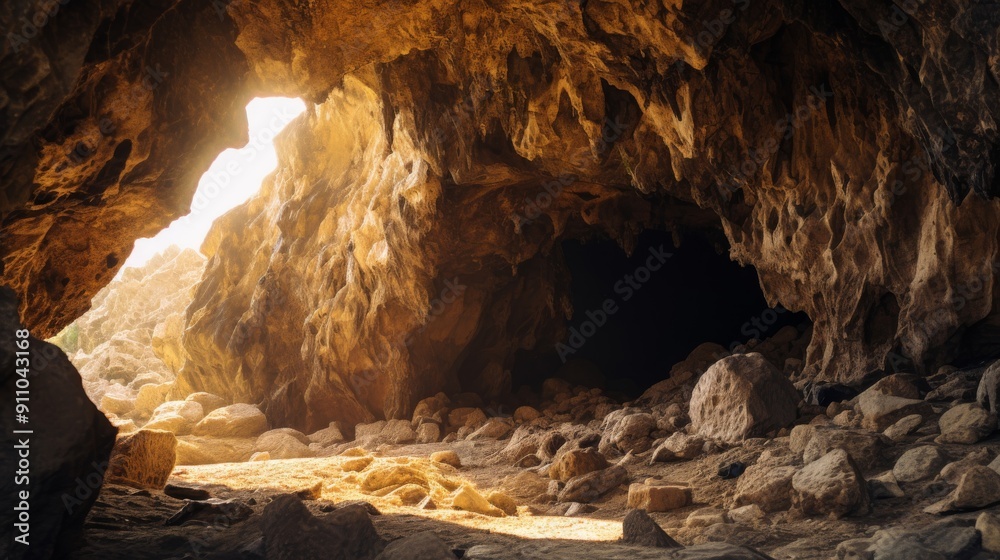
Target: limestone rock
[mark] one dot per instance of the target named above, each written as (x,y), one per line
(525,414)
(151,396)
(742,396)
(143,459)
(988,393)
(638,528)
(576,463)
(281,444)
(468,499)
(831,485)
(428,432)
(591,486)
(767,486)
(679,446)
(865,448)
(201,450)
(503,502)
(966,423)
(988,525)
(331,435)
(919,463)
(208,401)
(448,457)
(494,428)
(979,487)
(178,417)
(904,427)
(751,514)
(233,421)
(627,430)
(879,410)
(655,498)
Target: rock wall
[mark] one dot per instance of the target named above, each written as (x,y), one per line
(846,149)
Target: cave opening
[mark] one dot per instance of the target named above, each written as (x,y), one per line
(636,315)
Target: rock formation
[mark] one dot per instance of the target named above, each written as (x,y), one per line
(845,150)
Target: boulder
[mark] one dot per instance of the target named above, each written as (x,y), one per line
(879,411)
(627,430)
(502,501)
(466,417)
(979,487)
(904,427)
(178,417)
(283,443)
(291,532)
(831,485)
(919,463)
(233,421)
(150,396)
(655,498)
(331,435)
(591,486)
(988,525)
(948,540)
(494,428)
(576,463)
(767,486)
(143,459)
(896,385)
(966,423)
(208,401)
(679,446)
(742,396)
(748,515)
(638,528)
(201,450)
(428,432)
(692,367)
(524,414)
(448,457)
(467,498)
(76,441)
(865,448)
(117,403)
(988,392)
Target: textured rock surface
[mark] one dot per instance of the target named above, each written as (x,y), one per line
(830,145)
(143,459)
(742,396)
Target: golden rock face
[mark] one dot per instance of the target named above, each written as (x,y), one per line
(409,241)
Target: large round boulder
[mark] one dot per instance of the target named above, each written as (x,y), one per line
(742,396)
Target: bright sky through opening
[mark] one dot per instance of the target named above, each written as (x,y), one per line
(234,177)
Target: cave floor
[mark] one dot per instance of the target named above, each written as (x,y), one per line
(130,523)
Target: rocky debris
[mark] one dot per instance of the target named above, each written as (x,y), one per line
(688,370)
(198,450)
(523,414)
(952,472)
(885,486)
(143,459)
(291,532)
(625,430)
(283,443)
(391,476)
(639,529)
(575,463)
(428,432)
(896,385)
(879,411)
(742,396)
(409,494)
(988,525)
(431,408)
(420,546)
(503,502)
(946,540)
(705,517)
(919,463)
(591,486)
(988,392)
(233,421)
(178,417)
(979,487)
(494,428)
(865,448)
(150,396)
(466,417)
(903,427)
(751,514)
(468,499)
(831,485)
(768,486)
(966,423)
(78,444)
(186,492)
(656,498)
(211,511)
(448,457)
(825,394)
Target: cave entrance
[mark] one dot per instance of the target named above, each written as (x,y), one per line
(637,315)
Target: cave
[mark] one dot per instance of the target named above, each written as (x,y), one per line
(444,326)
(696,294)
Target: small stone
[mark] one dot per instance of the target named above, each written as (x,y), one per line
(143,459)
(448,457)
(575,463)
(896,385)
(864,445)
(526,414)
(186,492)
(800,436)
(705,517)
(283,443)
(966,423)
(658,498)
(748,515)
(884,486)
(591,486)
(427,504)
(503,502)
(979,487)
(391,476)
(331,435)
(409,494)
(313,492)
(919,463)
(988,392)
(831,485)
(904,427)
(679,446)
(467,499)
(466,417)
(428,432)
(235,420)
(494,428)
(879,411)
(208,401)
(988,524)
(211,511)
(260,456)
(639,529)
(767,486)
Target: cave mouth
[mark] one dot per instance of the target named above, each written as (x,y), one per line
(635,316)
